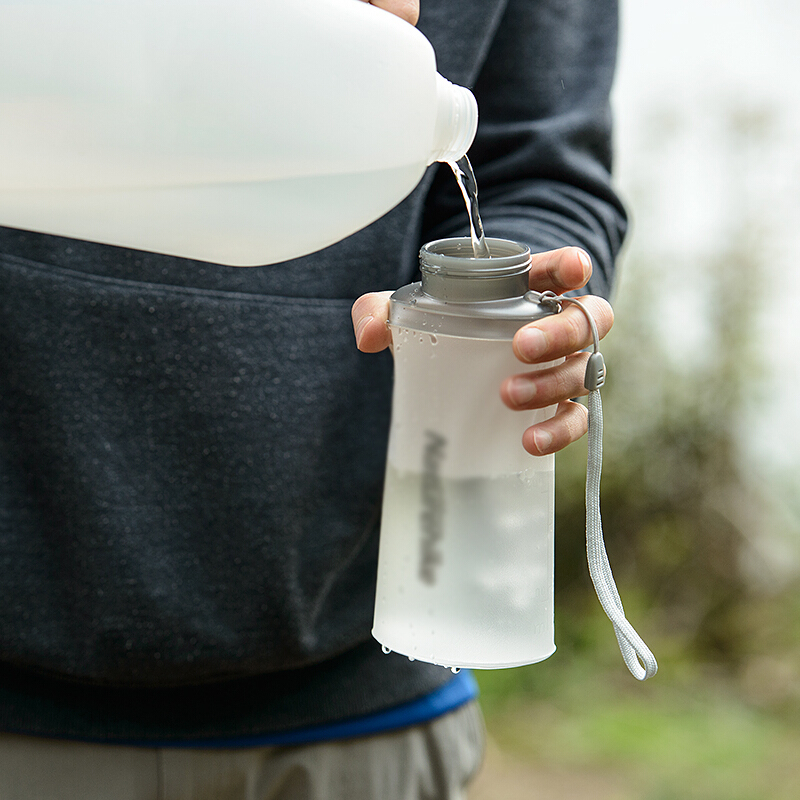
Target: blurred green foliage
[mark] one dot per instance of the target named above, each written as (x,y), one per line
(685,735)
(685,521)
(685,518)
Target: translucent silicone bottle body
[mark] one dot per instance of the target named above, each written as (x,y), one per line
(244,132)
(465,576)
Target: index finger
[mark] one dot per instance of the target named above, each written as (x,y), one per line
(564,333)
(560,270)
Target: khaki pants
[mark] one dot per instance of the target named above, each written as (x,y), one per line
(434,761)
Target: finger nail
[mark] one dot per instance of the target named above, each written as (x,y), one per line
(542,440)
(585,260)
(531,343)
(521,390)
(362,324)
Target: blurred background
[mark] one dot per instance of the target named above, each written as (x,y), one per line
(701,472)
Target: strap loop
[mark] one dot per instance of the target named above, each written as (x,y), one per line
(637,656)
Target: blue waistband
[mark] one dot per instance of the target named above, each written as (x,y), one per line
(453,694)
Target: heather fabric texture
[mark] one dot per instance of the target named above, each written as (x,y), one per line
(191,455)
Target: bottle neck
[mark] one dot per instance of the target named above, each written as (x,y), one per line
(451,272)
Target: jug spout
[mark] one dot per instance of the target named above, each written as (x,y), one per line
(456,121)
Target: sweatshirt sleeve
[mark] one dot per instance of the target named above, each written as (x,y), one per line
(542,155)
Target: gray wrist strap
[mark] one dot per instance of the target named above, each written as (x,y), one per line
(638,657)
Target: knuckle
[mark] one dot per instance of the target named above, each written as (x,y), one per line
(578,333)
(580,416)
(602,312)
(566,380)
(575,421)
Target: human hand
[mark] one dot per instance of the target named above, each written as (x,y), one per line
(405,9)
(558,336)
(562,335)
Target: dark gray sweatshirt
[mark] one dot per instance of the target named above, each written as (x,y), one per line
(191,455)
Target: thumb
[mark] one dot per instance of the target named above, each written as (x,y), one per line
(370,314)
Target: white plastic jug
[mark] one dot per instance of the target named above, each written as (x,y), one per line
(237,131)
(465,572)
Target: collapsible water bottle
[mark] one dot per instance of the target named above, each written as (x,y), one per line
(243,132)
(465,574)
(465,566)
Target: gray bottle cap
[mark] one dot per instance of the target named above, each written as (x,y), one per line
(460,295)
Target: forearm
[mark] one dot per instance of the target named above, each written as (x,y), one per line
(542,155)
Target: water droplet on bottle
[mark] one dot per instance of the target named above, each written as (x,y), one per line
(411,658)
(386,650)
(434,340)
(455,670)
